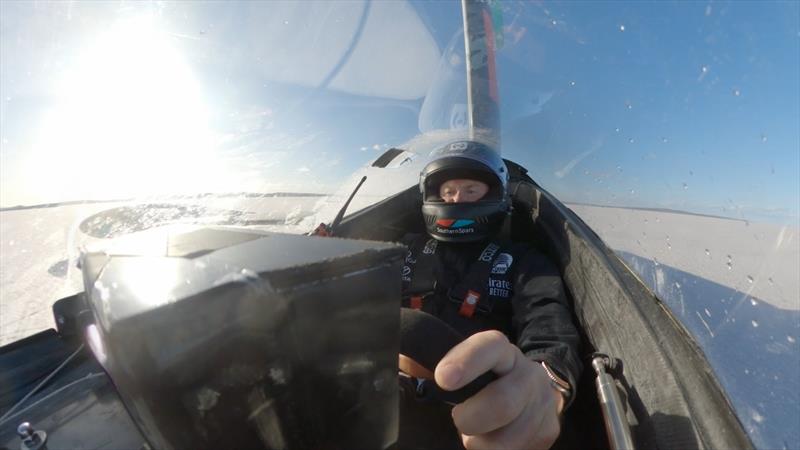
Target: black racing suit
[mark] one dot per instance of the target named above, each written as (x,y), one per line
(521,294)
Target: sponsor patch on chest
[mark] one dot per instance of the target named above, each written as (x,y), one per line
(502,263)
(500,288)
(430,247)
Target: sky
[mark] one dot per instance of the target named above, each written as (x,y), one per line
(689,105)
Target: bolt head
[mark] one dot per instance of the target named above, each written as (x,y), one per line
(25,430)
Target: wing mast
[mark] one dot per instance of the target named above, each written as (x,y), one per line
(482,92)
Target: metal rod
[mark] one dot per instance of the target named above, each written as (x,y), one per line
(338,219)
(617,429)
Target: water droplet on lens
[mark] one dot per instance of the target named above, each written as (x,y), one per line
(763,137)
(755,324)
(750,279)
(617,130)
(669,246)
(708,313)
(753,302)
(621,27)
(664,140)
(572,83)
(633,192)
(730,266)
(791,339)
(737,92)
(708,253)
(631,140)
(619,168)
(770,280)
(704,69)
(645,220)
(286,22)
(554,22)
(685,186)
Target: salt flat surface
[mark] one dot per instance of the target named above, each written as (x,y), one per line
(38,249)
(759,260)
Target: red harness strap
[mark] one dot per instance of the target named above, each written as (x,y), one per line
(322,230)
(416,302)
(469,304)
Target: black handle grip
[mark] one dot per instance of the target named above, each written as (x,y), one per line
(426,339)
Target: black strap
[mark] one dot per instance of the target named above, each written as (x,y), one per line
(476,279)
(418,268)
(482,270)
(419,280)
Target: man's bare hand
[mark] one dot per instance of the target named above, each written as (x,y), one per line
(519,410)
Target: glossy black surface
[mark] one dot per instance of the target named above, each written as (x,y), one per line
(78,408)
(267,340)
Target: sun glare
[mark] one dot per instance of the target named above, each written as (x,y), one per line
(130,120)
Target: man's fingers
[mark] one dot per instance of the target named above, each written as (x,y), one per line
(479,353)
(413,368)
(535,429)
(499,403)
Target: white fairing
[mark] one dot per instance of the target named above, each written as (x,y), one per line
(399,174)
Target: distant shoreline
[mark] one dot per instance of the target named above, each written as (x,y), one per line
(176,197)
(664,210)
(306,194)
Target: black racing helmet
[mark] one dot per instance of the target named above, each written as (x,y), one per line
(464,222)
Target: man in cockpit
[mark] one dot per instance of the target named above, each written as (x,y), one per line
(506,297)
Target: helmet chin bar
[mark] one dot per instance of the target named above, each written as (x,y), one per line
(464,222)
